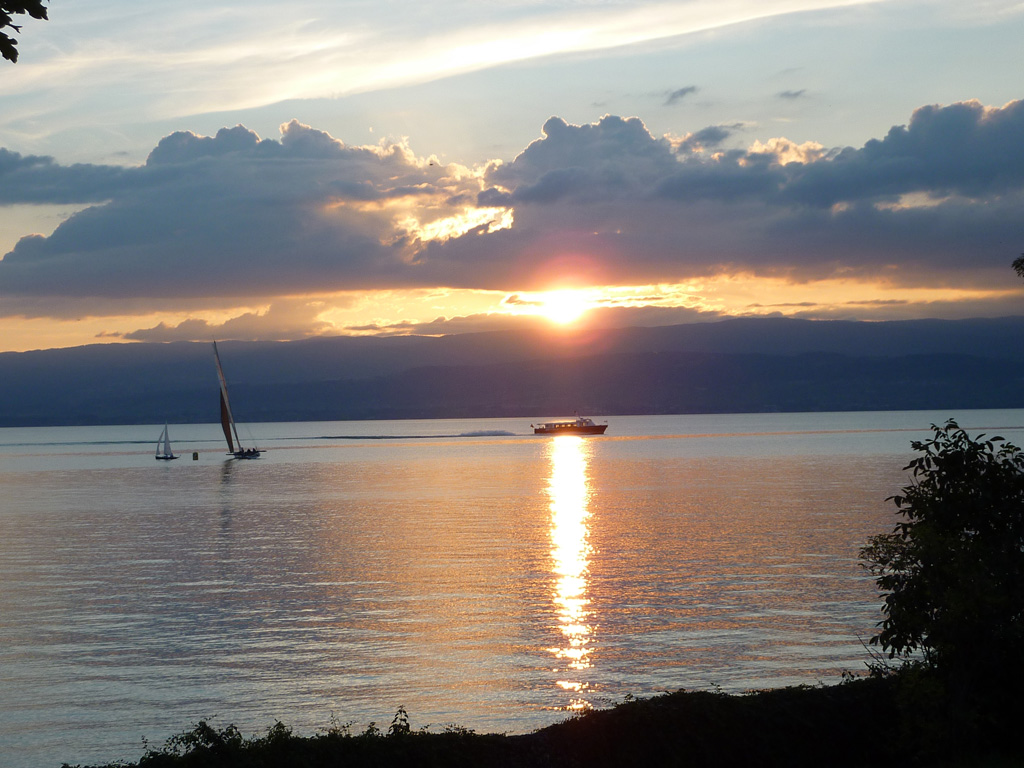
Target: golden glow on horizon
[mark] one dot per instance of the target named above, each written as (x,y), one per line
(457,310)
(564,306)
(744,294)
(569,493)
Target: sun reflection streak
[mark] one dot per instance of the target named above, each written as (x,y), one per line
(569,493)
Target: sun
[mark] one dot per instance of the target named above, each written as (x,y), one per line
(563,307)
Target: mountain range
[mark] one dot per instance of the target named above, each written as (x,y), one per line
(736,365)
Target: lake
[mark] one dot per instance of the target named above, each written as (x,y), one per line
(468,570)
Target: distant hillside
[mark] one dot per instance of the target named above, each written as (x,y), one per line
(742,365)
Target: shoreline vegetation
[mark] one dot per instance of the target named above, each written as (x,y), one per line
(874,720)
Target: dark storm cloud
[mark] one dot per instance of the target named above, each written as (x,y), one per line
(936,201)
(38,179)
(587,162)
(963,149)
(183,147)
(724,180)
(228,215)
(641,209)
(491,197)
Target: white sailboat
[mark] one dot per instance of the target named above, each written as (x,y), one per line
(227,421)
(163,446)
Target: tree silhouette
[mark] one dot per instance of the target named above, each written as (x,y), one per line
(34,8)
(952,573)
(1018,265)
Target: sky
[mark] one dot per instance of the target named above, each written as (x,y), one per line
(193,170)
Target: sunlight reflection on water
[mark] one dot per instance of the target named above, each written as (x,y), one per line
(569,491)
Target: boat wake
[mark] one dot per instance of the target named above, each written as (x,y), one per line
(478,433)
(71,443)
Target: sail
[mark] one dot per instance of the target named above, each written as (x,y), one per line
(163,445)
(227,421)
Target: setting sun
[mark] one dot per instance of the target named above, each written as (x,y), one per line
(564,307)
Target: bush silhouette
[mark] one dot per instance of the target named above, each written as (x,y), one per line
(952,577)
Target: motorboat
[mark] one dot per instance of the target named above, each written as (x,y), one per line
(578,426)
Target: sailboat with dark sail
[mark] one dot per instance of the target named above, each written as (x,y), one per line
(227,421)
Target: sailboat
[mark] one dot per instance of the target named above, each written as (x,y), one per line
(163,447)
(227,421)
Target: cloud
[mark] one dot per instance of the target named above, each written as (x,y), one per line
(706,138)
(515,300)
(443,326)
(283,320)
(963,149)
(39,179)
(586,162)
(110,67)
(679,94)
(999,306)
(597,318)
(783,151)
(233,215)
(792,95)
(780,208)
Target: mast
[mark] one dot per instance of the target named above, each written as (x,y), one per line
(227,421)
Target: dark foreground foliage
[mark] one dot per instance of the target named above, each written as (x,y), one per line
(8,9)
(858,723)
(951,574)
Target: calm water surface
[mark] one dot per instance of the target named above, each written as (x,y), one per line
(467,570)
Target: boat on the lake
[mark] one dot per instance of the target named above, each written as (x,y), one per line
(578,426)
(163,447)
(227,420)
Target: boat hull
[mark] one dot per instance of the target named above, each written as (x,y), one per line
(571,429)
